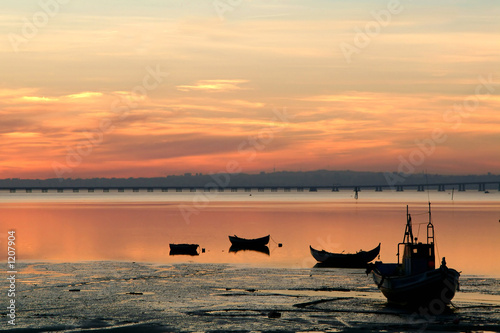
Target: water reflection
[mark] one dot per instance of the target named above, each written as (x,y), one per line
(261,249)
(466,233)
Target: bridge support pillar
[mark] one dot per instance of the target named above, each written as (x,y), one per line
(441,188)
(13,190)
(399,188)
(421,188)
(481,187)
(461,187)
(336,188)
(378,189)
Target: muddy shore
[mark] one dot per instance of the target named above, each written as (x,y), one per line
(191,297)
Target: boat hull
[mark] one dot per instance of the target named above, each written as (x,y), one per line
(248,243)
(355,260)
(184,249)
(419,289)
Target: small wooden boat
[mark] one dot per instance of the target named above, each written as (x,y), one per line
(186,249)
(416,281)
(262,249)
(243,242)
(347,260)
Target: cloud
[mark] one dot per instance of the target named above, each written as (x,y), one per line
(81,95)
(87,94)
(39,99)
(214,85)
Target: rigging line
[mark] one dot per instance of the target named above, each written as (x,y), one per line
(427,182)
(417,214)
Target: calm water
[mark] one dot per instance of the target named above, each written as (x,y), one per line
(70,227)
(100,261)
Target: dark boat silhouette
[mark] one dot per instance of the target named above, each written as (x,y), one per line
(416,281)
(237,248)
(344,260)
(184,249)
(244,242)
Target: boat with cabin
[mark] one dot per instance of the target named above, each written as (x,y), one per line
(414,280)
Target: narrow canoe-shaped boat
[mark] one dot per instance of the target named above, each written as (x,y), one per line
(348,260)
(186,249)
(243,242)
(415,280)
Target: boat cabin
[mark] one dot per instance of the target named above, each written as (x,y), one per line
(418,257)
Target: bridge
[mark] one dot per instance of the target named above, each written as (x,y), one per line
(212,187)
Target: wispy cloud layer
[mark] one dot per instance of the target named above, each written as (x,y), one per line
(86,68)
(214,85)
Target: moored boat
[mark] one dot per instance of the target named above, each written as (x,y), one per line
(186,249)
(244,242)
(416,281)
(348,260)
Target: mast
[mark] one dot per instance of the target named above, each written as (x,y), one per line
(408,237)
(430,228)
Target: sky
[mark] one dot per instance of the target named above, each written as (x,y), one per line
(123,88)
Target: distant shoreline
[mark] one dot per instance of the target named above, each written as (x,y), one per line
(317,178)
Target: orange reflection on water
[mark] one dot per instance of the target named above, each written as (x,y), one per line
(466,235)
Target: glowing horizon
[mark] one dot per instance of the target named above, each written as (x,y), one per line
(151,89)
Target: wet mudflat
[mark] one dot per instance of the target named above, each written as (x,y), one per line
(192,297)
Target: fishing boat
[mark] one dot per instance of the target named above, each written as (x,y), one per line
(186,249)
(415,280)
(347,260)
(243,242)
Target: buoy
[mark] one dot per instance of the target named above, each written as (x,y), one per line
(202,250)
(280,245)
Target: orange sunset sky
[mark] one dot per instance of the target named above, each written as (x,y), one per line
(122,88)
